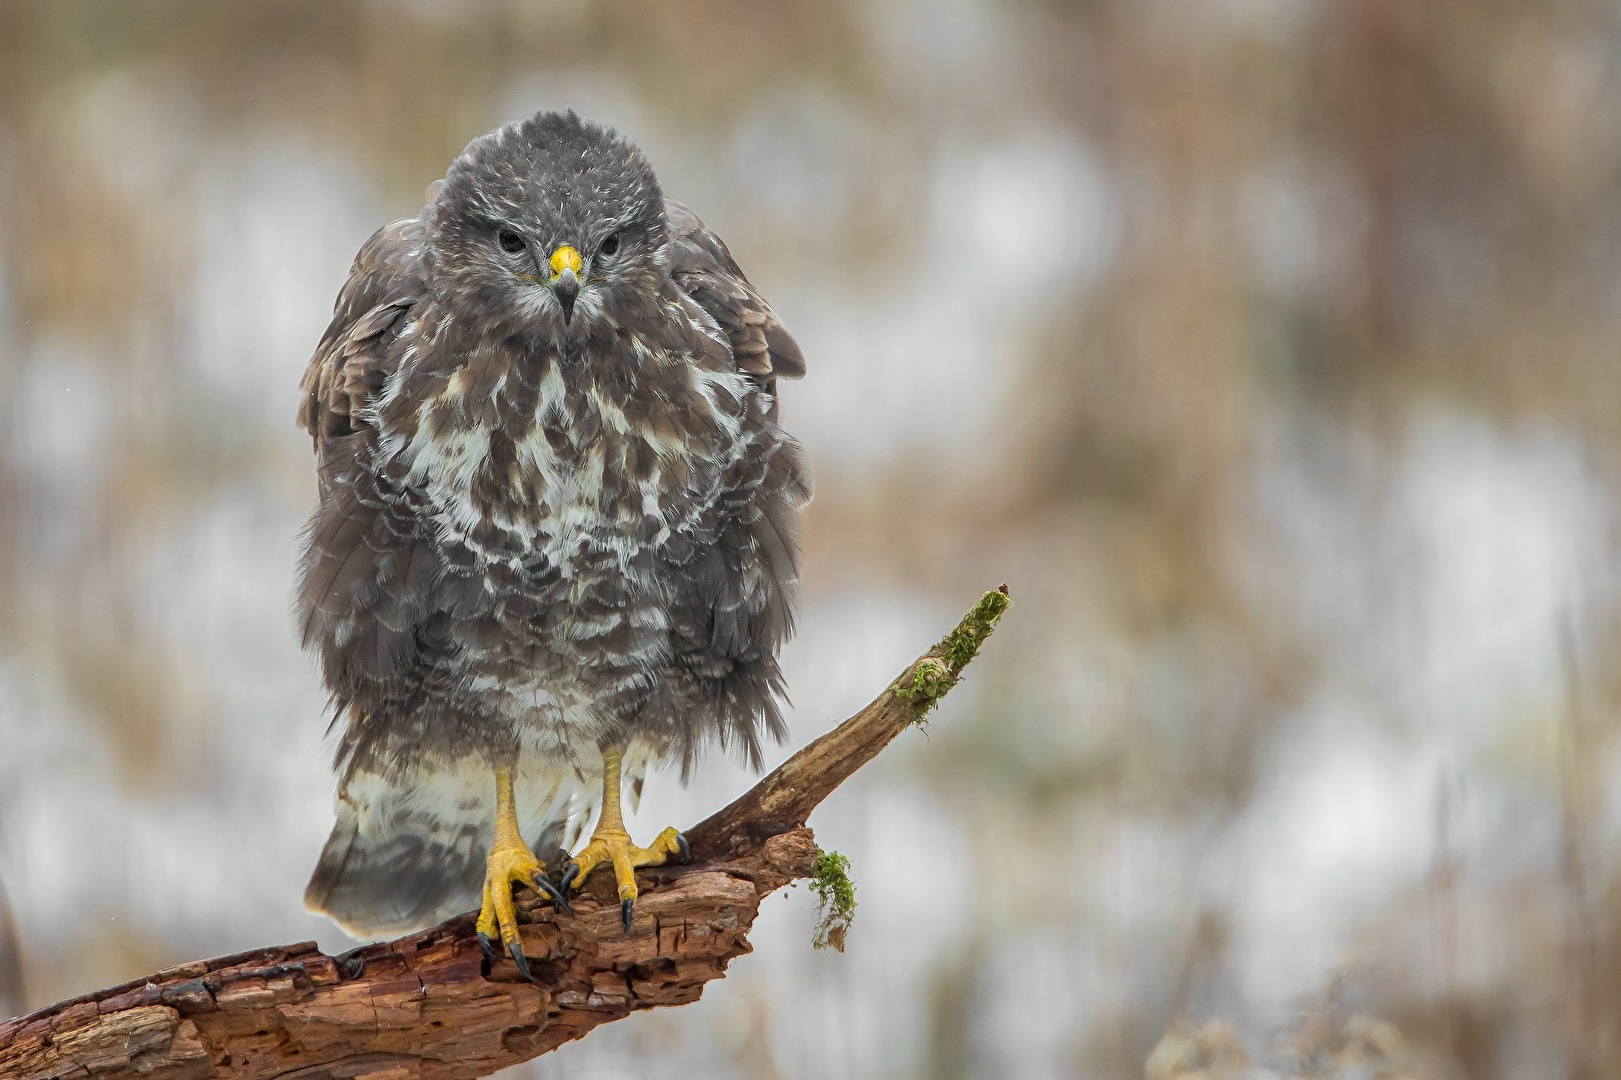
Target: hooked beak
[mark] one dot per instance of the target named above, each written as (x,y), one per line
(565,280)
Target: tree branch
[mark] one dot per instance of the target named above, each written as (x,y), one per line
(431,1005)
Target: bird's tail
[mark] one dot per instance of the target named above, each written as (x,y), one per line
(409,852)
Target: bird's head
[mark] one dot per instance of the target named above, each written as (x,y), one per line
(549,224)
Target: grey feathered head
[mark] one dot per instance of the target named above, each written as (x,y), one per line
(549,224)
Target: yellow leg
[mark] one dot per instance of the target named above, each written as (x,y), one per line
(510,863)
(610,843)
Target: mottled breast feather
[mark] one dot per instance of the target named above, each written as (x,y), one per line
(549,545)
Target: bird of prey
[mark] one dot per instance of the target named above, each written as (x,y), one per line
(555,543)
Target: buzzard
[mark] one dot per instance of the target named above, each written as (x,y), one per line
(555,541)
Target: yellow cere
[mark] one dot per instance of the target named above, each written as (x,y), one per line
(565,258)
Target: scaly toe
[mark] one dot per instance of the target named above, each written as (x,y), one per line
(616,850)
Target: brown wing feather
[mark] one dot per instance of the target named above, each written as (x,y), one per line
(363,581)
(701,264)
(734,607)
(352,361)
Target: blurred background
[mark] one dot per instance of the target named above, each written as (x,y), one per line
(1267,349)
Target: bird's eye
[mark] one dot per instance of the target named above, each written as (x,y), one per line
(509,241)
(610,246)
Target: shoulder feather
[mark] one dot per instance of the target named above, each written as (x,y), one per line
(705,270)
(351,362)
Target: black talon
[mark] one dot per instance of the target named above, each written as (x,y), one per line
(543,887)
(570,872)
(487,943)
(516,949)
(355,966)
(686,848)
(627,912)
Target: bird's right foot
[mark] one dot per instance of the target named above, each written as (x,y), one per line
(510,863)
(498,918)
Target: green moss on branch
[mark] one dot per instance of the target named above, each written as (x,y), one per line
(935,674)
(835,900)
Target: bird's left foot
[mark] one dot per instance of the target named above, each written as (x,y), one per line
(612,846)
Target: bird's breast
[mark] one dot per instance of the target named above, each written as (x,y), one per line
(530,465)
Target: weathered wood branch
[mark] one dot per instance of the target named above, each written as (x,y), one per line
(430,1005)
